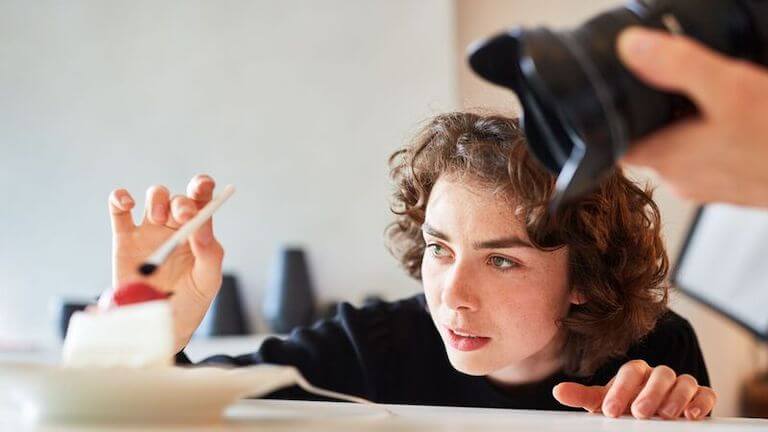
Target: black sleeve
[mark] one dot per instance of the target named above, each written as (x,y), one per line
(673,343)
(331,355)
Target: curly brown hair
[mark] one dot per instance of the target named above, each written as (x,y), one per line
(617,259)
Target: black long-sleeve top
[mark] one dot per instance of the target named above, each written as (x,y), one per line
(392,353)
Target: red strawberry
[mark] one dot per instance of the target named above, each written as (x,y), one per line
(136,292)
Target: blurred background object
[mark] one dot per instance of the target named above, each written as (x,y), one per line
(723,266)
(754,396)
(227,316)
(65,308)
(289,298)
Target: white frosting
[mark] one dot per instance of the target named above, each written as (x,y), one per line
(138,335)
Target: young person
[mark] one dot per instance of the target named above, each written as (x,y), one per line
(521,309)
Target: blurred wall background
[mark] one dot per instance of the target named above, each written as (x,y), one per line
(297,103)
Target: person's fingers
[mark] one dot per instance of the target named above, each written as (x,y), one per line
(628,383)
(676,63)
(580,396)
(208,254)
(208,268)
(701,405)
(682,392)
(662,150)
(659,144)
(200,189)
(654,392)
(156,207)
(183,208)
(120,205)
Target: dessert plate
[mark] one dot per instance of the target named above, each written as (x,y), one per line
(51,393)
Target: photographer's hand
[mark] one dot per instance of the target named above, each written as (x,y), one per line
(721,154)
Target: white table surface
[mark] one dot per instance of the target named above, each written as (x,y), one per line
(263,415)
(272,415)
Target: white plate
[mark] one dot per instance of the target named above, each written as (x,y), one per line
(50,393)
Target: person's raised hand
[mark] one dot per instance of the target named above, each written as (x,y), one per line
(192,272)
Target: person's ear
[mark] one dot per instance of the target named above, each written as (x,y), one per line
(577,297)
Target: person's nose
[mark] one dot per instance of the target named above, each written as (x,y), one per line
(457,291)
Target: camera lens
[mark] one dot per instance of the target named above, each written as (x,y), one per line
(581,107)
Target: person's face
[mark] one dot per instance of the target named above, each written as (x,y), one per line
(494,298)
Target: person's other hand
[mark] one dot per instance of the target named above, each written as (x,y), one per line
(192,272)
(642,391)
(722,153)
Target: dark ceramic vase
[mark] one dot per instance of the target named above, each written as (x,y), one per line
(227,315)
(289,299)
(67,308)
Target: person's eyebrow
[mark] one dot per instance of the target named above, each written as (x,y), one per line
(501,243)
(429,229)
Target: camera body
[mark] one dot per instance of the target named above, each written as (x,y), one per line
(582,108)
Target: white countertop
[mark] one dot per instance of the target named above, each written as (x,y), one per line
(272,415)
(261,415)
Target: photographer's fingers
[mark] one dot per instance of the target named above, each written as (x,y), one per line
(156,206)
(663,150)
(674,153)
(120,205)
(677,63)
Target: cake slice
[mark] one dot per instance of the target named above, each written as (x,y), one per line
(136,331)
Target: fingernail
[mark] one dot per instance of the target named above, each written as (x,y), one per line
(637,42)
(670,411)
(158,212)
(204,180)
(185,210)
(126,201)
(695,412)
(613,409)
(644,408)
(203,184)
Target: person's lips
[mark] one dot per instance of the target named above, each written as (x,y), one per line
(465,340)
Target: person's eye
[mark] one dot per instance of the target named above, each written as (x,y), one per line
(437,250)
(502,263)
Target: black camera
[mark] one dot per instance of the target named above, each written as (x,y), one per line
(581,107)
